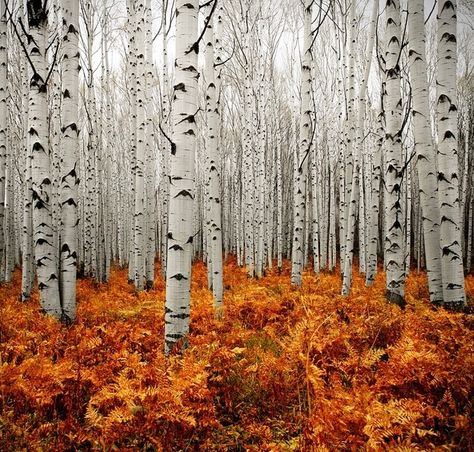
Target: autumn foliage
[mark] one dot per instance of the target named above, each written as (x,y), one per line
(284,370)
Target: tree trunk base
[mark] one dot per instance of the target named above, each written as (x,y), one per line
(395,298)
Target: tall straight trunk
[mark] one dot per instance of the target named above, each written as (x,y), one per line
(28,263)
(69,164)
(279,204)
(107,134)
(248,170)
(43,231)
(356,142)
(214,188)
(182,185)
(373,230)
(332,238)
(149,152)
(351,186)
(425,151)
(260,170)
(132,81)
(165,144)
(301,155)
(139,210)
(3,129)
(316,215)
(448,180)
(9,212)
(393,197)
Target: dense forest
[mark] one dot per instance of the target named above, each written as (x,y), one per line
(235,225)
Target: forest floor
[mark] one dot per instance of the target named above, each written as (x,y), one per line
(284,370)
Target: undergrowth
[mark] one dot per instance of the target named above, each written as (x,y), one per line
(284,370)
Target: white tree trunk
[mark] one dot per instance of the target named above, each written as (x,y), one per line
(43,231)
(393,197)
(139,210)
(150,170)
(301,156)
(3,130)
(214,188)
(182,186)
(69,163)
(425,151)
(448,171)
(355,144)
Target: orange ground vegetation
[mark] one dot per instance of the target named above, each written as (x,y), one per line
(284,370)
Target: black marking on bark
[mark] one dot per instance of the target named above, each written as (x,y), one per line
(70,202)
(179,277)
(176,247)
(180,87)
(179,316)
(448,135)
(447,5)
(184,193)
(448,37)
(38,147)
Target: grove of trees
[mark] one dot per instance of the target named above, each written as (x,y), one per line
(333,136)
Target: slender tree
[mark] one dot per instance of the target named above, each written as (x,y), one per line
(448,172)
(214,189)
(426,154)
(301,157)
(69,162)
(182,187)
(393,171)
(3,129)
(43,230)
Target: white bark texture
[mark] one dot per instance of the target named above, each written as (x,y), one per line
(302,152)
(425,151)
(3,129)
(448,171)
(69,162)
(214,182)
(139,212)
(182,186)
(394,218)
(43,231)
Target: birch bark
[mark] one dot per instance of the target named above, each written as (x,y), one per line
(394,218)
(448,177)
(69,163)
(43,231)
(182,185)
(301,156)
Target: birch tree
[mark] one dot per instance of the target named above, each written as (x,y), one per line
(301,160)
(426,154)
(214,188)
(43,230)
(393,170)
(3,129)
(69,162)
(182,188)
(448,171)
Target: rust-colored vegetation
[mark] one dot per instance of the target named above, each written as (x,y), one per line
(284,370)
